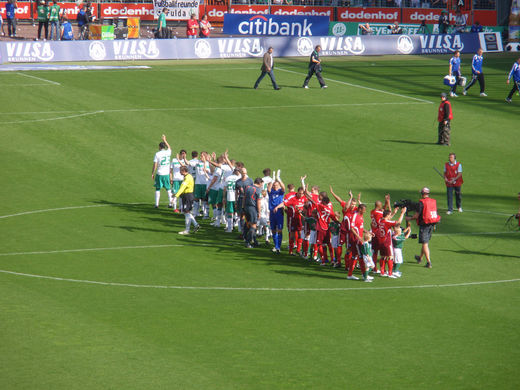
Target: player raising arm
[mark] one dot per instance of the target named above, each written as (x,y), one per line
(161,171)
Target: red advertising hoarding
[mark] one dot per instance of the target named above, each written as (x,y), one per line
(431,16)
(302,10)
(371,15)
(24,10)
(216,12)
(115,10)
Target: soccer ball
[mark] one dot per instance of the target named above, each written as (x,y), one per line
(513,46)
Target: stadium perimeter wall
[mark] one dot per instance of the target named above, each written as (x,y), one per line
(242,47)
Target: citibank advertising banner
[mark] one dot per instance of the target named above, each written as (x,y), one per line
(240,47)
(297,25)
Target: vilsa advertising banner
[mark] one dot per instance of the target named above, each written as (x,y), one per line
(176,9)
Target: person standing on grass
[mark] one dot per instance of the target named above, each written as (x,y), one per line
(454,70)
(453,179)
(252,206)
(398,238)
(161,170)
(315,68)
(476,73)
(43,20)
(444,117)
(267,68)
(426,217)
(384,232)
(176,178)
(515,74)
(186,194)
(276,191)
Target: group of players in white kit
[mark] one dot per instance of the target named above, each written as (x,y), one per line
(316,232)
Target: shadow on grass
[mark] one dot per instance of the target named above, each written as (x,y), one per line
(402,141)
(480,253)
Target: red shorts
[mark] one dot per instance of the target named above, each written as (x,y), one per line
(322,237)
(355,250)
(295,224)
(386,250)
(376,243)
(343,239)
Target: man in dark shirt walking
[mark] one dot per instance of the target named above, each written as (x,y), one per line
(315,68)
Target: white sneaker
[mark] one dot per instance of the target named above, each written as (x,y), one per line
(306,86)
(352,277)
(460,209)
(449,212)
(464,92)
(385,275)
(508,100)
(367,280)
(324,87)
(483,94)
(451,94)
(392,276)
(397,273)
(184,232)
(378,271)
(274,250)
(370,277)
(454,95)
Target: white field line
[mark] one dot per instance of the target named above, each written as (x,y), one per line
(67,208)
(255,288)
(38,78)
(83,113)
(362,87)
(25,85)
(52,119)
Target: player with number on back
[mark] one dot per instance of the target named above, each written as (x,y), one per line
(161,171)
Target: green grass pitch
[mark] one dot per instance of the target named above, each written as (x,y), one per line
(77,206)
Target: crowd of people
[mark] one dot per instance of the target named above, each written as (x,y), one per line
(256,208)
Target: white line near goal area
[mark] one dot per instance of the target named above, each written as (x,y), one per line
(283,289)
(363,87)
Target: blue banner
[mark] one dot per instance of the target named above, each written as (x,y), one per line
(283,25)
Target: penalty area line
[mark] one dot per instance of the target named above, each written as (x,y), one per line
(38,78)
(363,87)
(216,288)
(53,119)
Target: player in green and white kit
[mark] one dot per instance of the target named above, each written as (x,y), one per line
(161,171)
(230,198)
(215,190)
(202,172)
(366,252)
(176,177)
(398,238)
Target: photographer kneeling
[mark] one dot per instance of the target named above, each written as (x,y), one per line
(426,217)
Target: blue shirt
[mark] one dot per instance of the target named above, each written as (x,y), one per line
(275,198)
(67,32)
(9,10)
(455,64)
(476,64)
(515,72)
(476,28)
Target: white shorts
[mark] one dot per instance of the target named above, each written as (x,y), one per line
(263,222)
(398,256)
(312,238)
(369,263)
(334,241)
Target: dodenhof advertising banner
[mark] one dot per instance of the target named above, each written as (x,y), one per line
(176,9)
(294,25)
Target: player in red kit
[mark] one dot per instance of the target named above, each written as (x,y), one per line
(296,204)
(375,216)
(325,212)
(385,240)
(192,27)
(288,211)
(356,241)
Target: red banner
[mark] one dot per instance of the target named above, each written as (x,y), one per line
(302,10)
(371,15)
(216,12)
(114,10)
(24,10)
(431,16)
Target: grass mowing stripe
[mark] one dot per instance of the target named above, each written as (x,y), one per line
(216,288)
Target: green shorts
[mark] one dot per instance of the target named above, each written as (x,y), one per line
(215,197)
(162,181)
(176,186)
(230,207)
(200,191)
